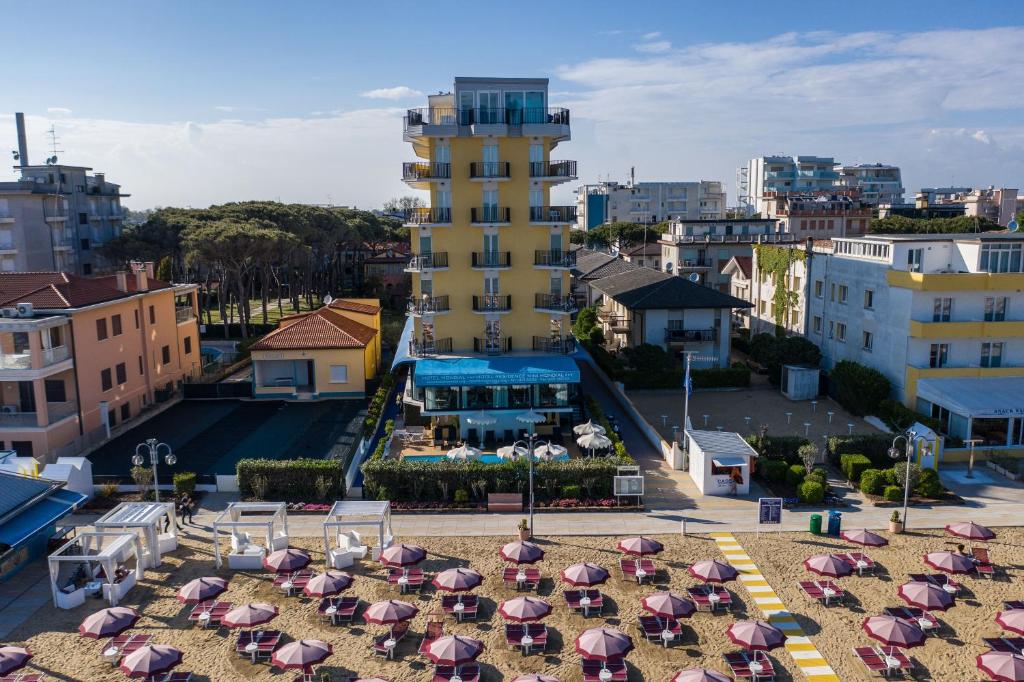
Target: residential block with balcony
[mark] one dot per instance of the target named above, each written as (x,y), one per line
(648,202)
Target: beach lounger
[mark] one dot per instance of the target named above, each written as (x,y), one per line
(338,609)
(592,670)
(636,569)
(757,667)
(468,611)
(940,579)
(209,612)
(927,622)
(22,677)
(702,597)
(982,565)
(1010,605)
(886,661)
(435,630)
(406,579)
(292,583)
(265,642)
(587,602)
(521,578)
(123,645)
(1013,645)
(385,645)
(824,591)
(467,673)
(859,561)
(171,677)
(535,634)
(654,630)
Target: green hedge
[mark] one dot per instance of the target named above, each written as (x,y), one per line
(737,376)
(875,448)
(858,388)
(292,480)
(597,415)
(382,444)
(853,465)
(376,407)
(772,469)
(437,481)
(795,474)
(929,485)
(811,492)
(185,482)
(893,493)
(778,447)
(872,481)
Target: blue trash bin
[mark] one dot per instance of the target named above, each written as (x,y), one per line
(835,521)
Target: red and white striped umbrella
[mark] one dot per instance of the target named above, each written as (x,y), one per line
(828,565)
(668,605)
(286,560)
(150,660)
(454,650)
(524,609)
(403,555)
(522,552)
(700,675)
(1001,666)
(926,596)
(201,589)
(893,631)
(301,654)
(756,635)
(13,658)
(584,575)
(108,622)
(863,536)
(389,612)
(458,580)
(969,530)
(249,615)
(327,583)
(713,571)
(948,562)
(603,644)
(640,546)
(1012,620)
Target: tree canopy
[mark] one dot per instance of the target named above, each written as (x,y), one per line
(897,224)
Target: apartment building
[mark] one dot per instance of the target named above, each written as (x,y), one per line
(81,355)
(648,202)
(489,314)
(819,215)
(999,205)
(878,183)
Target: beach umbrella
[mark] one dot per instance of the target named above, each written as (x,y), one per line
(893,631)
(603,644)
(1012,620)
(700,675)
(593,441)
(584,575)
(713,571)
(524,609)
(454,650)
(969,530)
(1001,666)
(327,583)
(403,555)
(108,622)
(249,615)
(201,589)
(926,596)
(286,560)
(535,678)
(150,660)
(13,658)
(522,552)
(862,536)
(458,580)
(372,679)
(464,453)
(549,451)
(512,452)
(828,565)
(668,605)
(640,546)
(301,654)
(948,562)
(389,612)
(755,635)
(588,427)
(481,418)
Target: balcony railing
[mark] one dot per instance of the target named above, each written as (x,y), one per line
(16,361)
(492,303)
(492,259)
(694,264)
(423,216)
(552,214)
(485,116)
(615,321)
(426,171)
(691,335)
(428,305)
(492,345)
(11,418)
(52,356)
(489,169)
(428,261)
(672,238)
(485,215)
(183,313)
(554,344)
(423,348)
(553,169)
(555,259)
(557,302)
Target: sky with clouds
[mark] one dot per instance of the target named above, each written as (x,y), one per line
(190,104)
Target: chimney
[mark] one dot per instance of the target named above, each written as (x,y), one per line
(141,276)
(150,270)
(122,281)
(19,122)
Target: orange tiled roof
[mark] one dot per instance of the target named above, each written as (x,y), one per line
(56,290)
(320,329)
(355,306)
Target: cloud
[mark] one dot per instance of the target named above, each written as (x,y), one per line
(397,92)
(652,35)
(58,111)
(612,32)
(655,47)
(225,108)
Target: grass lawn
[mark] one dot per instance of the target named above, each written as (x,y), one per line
(274,314)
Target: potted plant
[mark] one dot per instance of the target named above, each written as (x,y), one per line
(524,530)
(895,525)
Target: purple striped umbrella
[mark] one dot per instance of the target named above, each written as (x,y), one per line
(948,562)
(755,635)
(863,536)
(524,609)
(668,605)
(201,589)
(286,560)
(713,571)
(1001,666)
(403,555)
(535,678)
(458,580)
(454,650)
(584,575)
(640,546)
(927,596)
(108,622)
(327,583)
(603,644)
(389,612)
(969,530)
(828,565)
(893,631)
(522,552)
(302,654)
(13,658)
(700,675)
(1012,620)
(249,615)
(150,660)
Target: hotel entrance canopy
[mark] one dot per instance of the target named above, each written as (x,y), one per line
(498,371)
(975,397)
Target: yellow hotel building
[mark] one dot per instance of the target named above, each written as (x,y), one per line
(489,316)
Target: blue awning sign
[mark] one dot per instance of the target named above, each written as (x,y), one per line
(505,371)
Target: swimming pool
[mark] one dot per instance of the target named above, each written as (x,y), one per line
(487,458)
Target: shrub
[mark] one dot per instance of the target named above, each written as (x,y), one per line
(852,465)
(808,454)
(376,407)
(818,475)
(185,482)
(778,447)
(900,417)
(858,388)
(811,492)
(143,478)
(795,474)
(292,480)
(737,376)
(774,352)
(571,492)
(875,448)
(929,485)
(106,491)
(893,493)
(383,493)
(773,469)
(889,476)
(872,481)
(901,475)
(462,495)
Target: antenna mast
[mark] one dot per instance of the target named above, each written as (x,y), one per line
(54,142)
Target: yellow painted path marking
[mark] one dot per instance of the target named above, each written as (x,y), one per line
(811,663)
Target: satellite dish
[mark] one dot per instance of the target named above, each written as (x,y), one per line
(1012,226)
(694,277)
(328,299)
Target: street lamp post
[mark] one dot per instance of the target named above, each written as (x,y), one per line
(970,465)
(530,443)
(152,446)
(908,437)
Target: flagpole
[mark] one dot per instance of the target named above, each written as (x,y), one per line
(687,389)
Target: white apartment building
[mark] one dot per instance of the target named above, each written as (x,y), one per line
(648,202)
(878,183)
(819,215)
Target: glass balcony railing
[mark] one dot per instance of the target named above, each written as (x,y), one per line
(184,313)
(450,116)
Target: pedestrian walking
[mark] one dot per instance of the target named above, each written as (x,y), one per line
(187,509)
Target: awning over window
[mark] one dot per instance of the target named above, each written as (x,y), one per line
(976,396)
(729,461)
(500,371)
(39,516)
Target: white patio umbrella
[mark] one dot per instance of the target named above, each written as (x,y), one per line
(588,427)
(549,451)
(531,417)
(464,453)
(593,441)
(511,452)
(481,418)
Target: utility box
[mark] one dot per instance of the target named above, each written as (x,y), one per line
(800,382)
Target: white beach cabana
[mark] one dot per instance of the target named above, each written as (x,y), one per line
(270,518)
(348,544)
(75,568)
(146,519)
(721,462)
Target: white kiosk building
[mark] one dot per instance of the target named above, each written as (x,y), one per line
(348,544)
(73,568)
(146,519)
(269,517)
(721,462)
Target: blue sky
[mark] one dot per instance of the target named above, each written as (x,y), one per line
(190,103)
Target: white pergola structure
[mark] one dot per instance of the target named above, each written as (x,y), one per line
(146,519)
(270,517)
(348,513)
(73,567)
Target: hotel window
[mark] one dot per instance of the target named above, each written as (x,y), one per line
(819,288)
(141,370)
(938,355)
(136,318)
(339,374)
(106,380)
(166,354)
(831,329)
(115,325)
(101,329)
(536,198)
(122,373)
(832,293)
(55,391)
(841,331)
(490,160)
(914,259)
(817,324)
(1000,258)
(869,340)
(188,345)
(126,412)
(992,354)
(869,299)
(844,292)
(942,309)
(152,314)
(995,309)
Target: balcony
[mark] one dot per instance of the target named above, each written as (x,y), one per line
(492,303)
(552,215)
(490,215)
(428,216)
(492,345)
(23,360)
(446,121)
(554,303)
(691,335)
(438,260)
(969,329)
(554,344)
(55,215)
(489,170)
(780,238)
(184,313)
(694,264)
(427,347)
(12,418)
(492,260)
(51,356)
(428,305)
(554,171)
(419,173)
(616,322)
(554,259)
